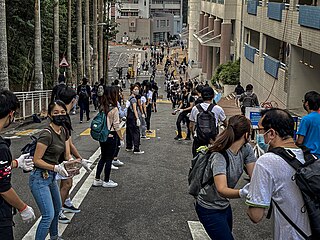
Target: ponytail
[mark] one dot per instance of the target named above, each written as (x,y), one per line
(224,140)
(238,125)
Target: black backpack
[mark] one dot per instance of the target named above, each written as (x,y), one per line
(199,164)
(83,93)
(247,101)
(206,127)
(307,178)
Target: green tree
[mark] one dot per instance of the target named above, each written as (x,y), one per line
(4,78)
(228,73)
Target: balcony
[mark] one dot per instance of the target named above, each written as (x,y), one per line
(275,10)
(271,66)
(309,16)
(252,7)
(249,52)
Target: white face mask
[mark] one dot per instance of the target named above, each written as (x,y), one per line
(135,92)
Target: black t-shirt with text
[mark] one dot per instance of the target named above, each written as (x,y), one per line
(5,182)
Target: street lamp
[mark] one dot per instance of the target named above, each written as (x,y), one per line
(84,45)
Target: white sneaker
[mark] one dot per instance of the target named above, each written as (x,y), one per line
(114,167)
(117,163)
(110,184)
(129,150)
(140,152)
(97,183)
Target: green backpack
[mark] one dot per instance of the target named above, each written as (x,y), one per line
(99,127)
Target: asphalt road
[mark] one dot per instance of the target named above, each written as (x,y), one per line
(151,201)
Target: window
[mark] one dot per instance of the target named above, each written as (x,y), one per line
(168,23)
(135,1)
(162,23)
(134,14)
(124,14)
(157,23)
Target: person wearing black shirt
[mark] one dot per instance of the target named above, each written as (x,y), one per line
(239,90)
(56,89)
(84,93)
(186,104)
(8,197)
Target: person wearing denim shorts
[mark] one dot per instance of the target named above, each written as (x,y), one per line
(51,144)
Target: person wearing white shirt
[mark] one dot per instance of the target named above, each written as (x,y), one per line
(272,181)
(207,94)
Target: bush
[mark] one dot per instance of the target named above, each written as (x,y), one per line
(228,73)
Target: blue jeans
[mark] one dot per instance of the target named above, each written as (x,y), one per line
(217,223)
(47,196)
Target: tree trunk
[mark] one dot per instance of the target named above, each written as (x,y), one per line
(106,68)
(69,57)
(95,42)
(38,74)
(4,78)
(101,41)
(79,41)
(87,42)
(56,58)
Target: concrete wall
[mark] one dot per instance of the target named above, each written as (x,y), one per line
(193,20)
(143,29)
(261,23)
(262,82)
(302,77)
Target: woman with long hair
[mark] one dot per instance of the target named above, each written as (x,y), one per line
(230,152)
(108,149)
(51,144)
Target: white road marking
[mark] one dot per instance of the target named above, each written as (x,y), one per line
(197,231)
(82,192)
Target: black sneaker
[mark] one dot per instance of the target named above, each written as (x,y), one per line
(187,138)
(71,209)
(63,219)
(177,138)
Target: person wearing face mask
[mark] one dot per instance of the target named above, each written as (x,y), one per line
(52,142)
(133,122)
(212,204)
(108,148)
(68,96)
(148,96)
(8,197)
(186,104)
(272,181)
(309,128)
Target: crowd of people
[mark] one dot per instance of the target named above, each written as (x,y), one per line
(271,179)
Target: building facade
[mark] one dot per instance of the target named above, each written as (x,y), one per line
(148,20)
(214,33)
(281,51)
(278,44)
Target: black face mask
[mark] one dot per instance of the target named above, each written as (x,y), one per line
(60,120)
(10,121)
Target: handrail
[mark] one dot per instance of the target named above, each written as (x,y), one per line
(33,102)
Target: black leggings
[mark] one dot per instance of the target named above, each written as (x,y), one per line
(108,150)
(148,117)
(183,116)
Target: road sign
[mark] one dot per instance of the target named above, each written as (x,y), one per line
(254,115)
(64,62)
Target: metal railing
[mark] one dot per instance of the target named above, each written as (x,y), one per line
(33,102)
